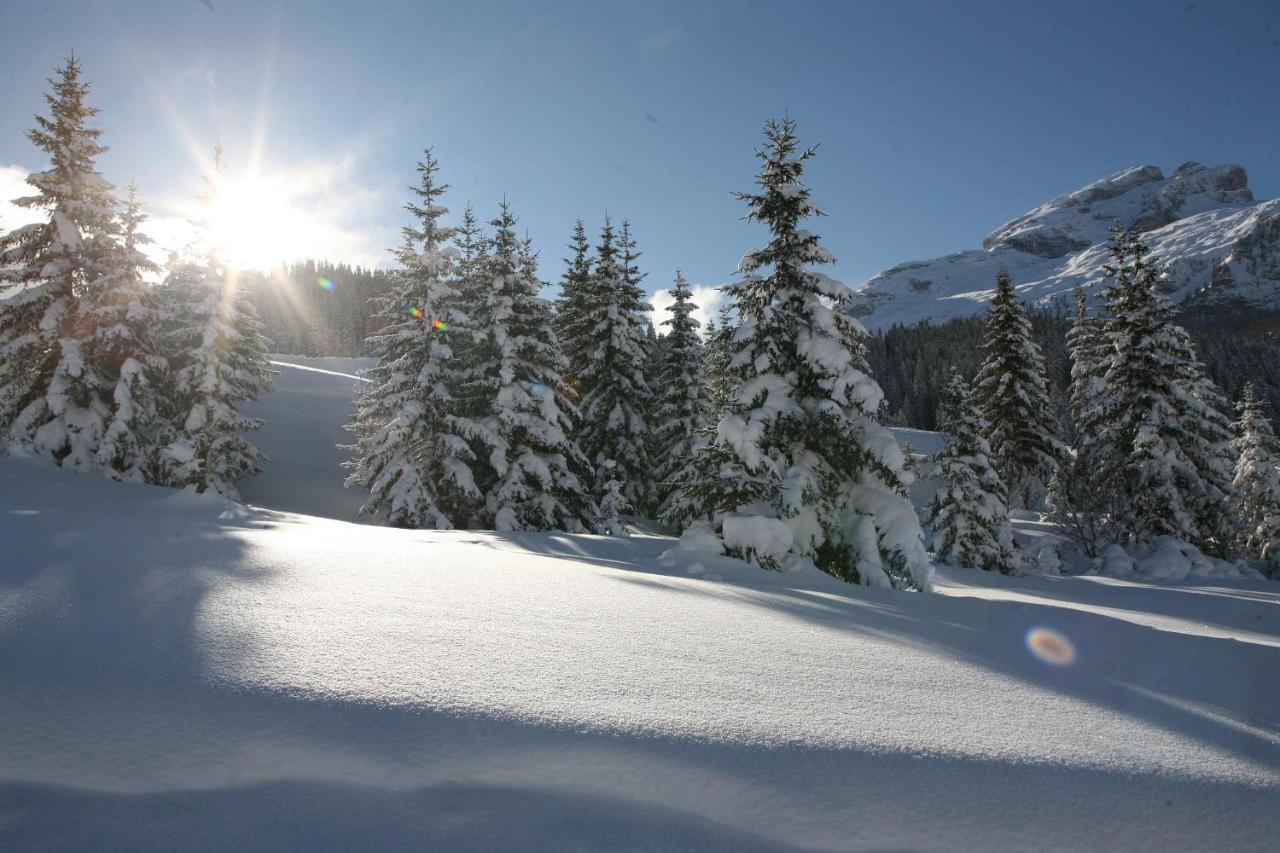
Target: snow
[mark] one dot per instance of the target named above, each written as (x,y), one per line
(304,413)
(179,671)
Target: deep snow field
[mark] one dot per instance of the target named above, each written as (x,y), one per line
(181,672)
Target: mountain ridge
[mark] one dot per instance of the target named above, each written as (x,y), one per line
(1219,245)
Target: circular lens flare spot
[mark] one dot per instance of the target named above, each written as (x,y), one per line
(326,284)
(415,311)
(1051,647)
(440,325)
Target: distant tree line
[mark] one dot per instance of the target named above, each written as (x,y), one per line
(914,363)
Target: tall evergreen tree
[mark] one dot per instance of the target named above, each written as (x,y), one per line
(533,470)
(615,392)
(575,308)
(969,514)
(722,379)
(682,407)
(1256,486)
(220,363)
(1154,430)
(128,320)
(1013,393)
(800,470)
(407,452)
(52,397)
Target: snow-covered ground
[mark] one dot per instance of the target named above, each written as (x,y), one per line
(305,413)
(180,672)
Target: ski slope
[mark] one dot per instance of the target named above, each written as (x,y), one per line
(304,416)
(182,672)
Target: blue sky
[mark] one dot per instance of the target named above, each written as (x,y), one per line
(937,121)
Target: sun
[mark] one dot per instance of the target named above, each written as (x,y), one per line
(258,224)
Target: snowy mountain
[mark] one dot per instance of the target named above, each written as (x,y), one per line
(1221,247)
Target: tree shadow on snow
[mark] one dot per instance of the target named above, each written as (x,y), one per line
(124,569)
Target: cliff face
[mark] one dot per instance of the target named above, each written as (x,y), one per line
(1219,246)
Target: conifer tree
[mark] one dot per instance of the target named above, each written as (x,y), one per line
(220,363)
(1086,506)
(574,309)
(969,514)
(128,319)
(408,452)
(1013,393)
(721,378)
(1256,486)
(615,391)
(52,399)
(682,407)
(1154,431)
(533,470)
(800,471)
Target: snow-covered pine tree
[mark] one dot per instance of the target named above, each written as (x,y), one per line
(1256,487)
(969,514)
(615,392)
(1088,365)
(682,408)
(128,319)
(1085,505)
(575,310)
(219,363)
(800,470)
(52,397)
(722,380)
(1012,391)
(535,471)
(407,452)
(1155,434)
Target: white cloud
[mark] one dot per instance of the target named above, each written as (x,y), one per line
(706,296)
(13,184)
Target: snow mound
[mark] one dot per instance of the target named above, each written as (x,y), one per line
(1170,559)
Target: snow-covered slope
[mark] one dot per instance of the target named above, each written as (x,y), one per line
(1220,245)
(303,415)
(181,672)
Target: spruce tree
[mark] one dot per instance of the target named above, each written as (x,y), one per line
(613,432)
(682,408)
(1013,393)
(800,471)
(53,399)
(1256,486)
(407,451)
(129,319)
(533,470)
(721,378)
(1086,506)
(219,363)
(969,514)
(575,310)
(1154,431)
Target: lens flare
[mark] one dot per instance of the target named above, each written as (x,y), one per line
(1051,647)
(326,284)
(415,311)
(440,325)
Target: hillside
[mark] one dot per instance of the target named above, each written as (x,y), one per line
(1221,247)
(179,671)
